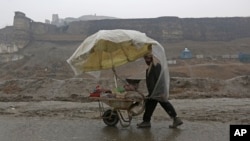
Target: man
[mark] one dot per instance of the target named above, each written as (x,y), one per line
(152,76)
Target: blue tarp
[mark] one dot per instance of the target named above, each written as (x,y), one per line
(243,57)
(186,54)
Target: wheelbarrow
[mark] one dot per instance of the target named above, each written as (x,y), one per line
(118,108)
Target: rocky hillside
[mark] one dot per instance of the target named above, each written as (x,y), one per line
(39,66)
(165,29)
(78,89)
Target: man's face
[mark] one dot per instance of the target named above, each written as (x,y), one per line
(148,60)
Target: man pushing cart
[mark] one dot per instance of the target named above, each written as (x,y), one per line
(108,49)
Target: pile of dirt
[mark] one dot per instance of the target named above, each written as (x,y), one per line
(238,87)
(78,89)
(48,59)
(43,73)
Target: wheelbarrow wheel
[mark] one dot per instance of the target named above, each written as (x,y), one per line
(110,117)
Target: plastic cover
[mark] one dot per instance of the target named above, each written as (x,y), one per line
(161,90)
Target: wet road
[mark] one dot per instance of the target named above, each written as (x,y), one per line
(56,129)
(204,120)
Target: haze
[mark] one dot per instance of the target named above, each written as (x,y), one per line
(39,10)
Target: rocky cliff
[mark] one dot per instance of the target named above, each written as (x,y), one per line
(163,29)
(166,29)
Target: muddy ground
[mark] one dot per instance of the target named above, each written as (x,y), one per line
(78,89)
(207,91)
(195,99)
(224,110)
(204,119)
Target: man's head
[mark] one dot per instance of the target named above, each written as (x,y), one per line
(148,58)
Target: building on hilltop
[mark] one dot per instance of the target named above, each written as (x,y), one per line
(21,22)
(47,21)
(55,19)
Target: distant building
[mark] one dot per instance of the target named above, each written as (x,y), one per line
(226,56)
(199,56)
(243,57)
(186,54)
(234,56)
(55,19)
(47,21)
(171,62)
(21,22)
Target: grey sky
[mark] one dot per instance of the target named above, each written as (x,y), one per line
(39,10)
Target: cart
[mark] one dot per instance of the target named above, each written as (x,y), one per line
(109,49)
(121,109)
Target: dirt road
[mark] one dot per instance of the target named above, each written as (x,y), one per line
(204,119)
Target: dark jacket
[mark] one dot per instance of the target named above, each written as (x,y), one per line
(152,77)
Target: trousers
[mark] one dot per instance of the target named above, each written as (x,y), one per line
(150,106)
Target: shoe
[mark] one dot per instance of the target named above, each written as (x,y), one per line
(144,124)
(177,122)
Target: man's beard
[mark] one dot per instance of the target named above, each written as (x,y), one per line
(148,62)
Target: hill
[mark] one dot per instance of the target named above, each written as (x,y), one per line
(36,51)
(48,59)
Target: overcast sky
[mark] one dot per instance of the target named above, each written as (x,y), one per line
(39,10)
